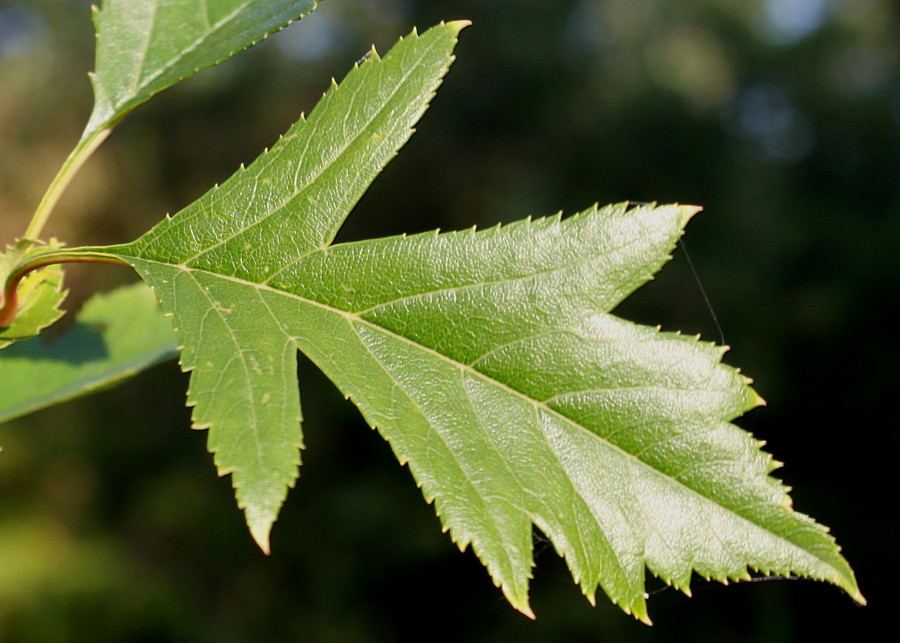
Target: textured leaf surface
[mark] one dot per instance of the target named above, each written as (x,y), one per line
(40,294)
(489,360)
(144,46)
(115,336)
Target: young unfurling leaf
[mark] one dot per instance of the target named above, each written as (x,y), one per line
(33,303)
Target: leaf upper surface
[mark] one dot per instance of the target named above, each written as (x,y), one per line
(490,361)
(144,46)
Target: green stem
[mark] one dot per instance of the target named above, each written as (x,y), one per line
(10,303)
(79,155)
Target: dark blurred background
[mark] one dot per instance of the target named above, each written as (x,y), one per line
(780,117)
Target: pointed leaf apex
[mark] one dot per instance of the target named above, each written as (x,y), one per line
(847,582)
(459,25)
(525,609)
(688,212)
(260,530)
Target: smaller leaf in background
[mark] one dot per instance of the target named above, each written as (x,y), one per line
(145,46)
(116,335)
(39,294)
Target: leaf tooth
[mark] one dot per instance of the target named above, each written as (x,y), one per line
(260,532)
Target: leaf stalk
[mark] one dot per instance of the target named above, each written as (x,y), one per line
(9,303)
(73,163)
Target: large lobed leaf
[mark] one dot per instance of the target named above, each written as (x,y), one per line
(489,360)
(144,46)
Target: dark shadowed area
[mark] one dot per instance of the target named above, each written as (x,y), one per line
(780,117)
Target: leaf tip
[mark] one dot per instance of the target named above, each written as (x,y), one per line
(525,608)
(260,530)
(688,212)
(459,25)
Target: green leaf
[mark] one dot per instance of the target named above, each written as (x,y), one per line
(115,336)
(490,361)
(145,46)
(37,296)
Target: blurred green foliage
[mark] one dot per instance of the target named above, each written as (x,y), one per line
(780,117)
